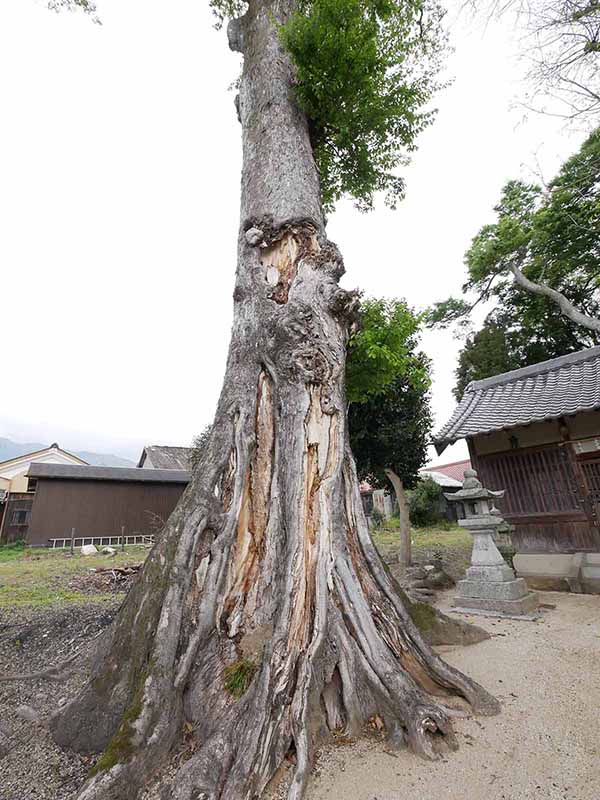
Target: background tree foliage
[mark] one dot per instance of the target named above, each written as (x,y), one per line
(425,503)
(366,71)
(516,336)
(392,430)
(387,383)
(383,349)
(561,41)
(552,235)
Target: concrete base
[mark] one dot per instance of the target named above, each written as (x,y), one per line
(495,573)
(575,572)
(590,573)
(513,589)
(524,607)
(495,615)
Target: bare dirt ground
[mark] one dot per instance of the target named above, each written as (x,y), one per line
(32,639)
(543,746)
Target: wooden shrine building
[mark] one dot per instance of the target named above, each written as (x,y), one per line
(535,432)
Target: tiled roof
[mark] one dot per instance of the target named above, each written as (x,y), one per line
(440,478)
(559,387)
(75,472)
(165,457)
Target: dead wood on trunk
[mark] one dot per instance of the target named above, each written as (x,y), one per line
(264,618)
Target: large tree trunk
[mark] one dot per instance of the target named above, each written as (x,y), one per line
(266,568)
(404,552)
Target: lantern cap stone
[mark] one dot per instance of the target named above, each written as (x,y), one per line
(473,490)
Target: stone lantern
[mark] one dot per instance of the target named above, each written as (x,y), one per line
(490,587)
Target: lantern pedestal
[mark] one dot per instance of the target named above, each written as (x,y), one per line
(490,587)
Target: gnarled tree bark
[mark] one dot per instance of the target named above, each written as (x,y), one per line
(266,568)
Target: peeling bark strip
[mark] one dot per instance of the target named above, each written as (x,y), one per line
(263,618)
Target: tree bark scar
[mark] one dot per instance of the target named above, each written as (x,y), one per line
(227,482)
(282,257)
(254,515)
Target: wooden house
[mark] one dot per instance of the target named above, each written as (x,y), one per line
(100,503)
(16,491)
(535,432)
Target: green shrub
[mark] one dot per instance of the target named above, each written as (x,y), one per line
(377,518)
(424,503)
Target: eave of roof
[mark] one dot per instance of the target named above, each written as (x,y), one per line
(120,474)
(551,389)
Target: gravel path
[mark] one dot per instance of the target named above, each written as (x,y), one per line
(544,745)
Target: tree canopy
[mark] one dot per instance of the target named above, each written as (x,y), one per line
(552,236)
(391,430)
(366,72)
(383,349)
(387,383)
(516,336)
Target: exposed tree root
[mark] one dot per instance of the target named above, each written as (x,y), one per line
(337,649)
(268,560)
(56,672)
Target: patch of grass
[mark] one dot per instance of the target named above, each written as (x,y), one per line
(36,577)
(238,677)
(448,536)
(10,552)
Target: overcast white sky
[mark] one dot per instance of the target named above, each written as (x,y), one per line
(119,180)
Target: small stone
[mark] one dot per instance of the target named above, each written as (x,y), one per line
(254,236)
(439,580)
(109,551)
(88,550)
(27,713)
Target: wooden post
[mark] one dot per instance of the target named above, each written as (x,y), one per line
(72,541)
(122,538)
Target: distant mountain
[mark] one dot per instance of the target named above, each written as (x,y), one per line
(105,460)
(10,449)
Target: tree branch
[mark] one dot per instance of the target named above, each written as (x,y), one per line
(566,307)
